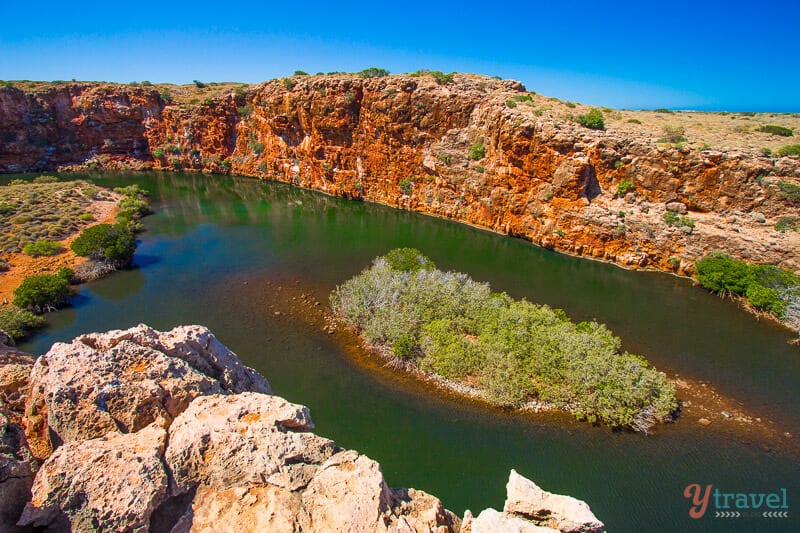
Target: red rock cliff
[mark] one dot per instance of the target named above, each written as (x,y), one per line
(407,141)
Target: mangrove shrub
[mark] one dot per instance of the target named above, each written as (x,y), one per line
(515,350)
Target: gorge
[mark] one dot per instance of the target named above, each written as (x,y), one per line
(228,244)
(470,148)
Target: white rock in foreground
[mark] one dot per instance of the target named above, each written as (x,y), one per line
(144,431)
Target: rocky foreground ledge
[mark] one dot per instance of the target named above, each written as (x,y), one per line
(140,430)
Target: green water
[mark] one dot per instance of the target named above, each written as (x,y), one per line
(218,246)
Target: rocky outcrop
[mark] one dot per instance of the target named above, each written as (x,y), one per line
(529,508)
(112,483)
(406,141)
(17,467)
(128,380)
(141,430)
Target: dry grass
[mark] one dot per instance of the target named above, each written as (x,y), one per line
(34,211)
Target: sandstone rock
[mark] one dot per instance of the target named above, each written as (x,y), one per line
(113,483)
(224,441)
(758,217)
(252,460)
(527,500)
(16,474)
(15,369)
(125,380)
(253,508)
(576,178)
(491,521)
(194,344)
(677,207)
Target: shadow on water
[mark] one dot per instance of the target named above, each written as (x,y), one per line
(218,246)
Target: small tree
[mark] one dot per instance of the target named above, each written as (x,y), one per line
(37,293)
(593,120)
(104,242)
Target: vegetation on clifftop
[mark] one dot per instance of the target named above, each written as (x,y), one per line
(513,350)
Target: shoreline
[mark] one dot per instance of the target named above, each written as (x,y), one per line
(741,301)
(21,265)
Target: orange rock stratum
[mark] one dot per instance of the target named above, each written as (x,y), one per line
(407,141)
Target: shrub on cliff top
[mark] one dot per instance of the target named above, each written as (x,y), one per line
(373,72)
(788,150)
(593,120)
(448,324)
(673,134)
(776,130)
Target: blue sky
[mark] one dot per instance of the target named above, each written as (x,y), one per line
(711,55)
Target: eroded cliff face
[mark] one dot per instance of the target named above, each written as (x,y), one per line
(406,141)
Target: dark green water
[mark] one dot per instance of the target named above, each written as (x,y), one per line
(217,246)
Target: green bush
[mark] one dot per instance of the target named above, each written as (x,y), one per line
(789,191)
(17,322)
(45,179)
(511,103)
(633,121)
(42,248)
(300,73)
(786,223)
(514,350)
(673,219)
(624,187)
(765,298)
(104,242)
(37,293)
(788,150)
(373,72)
(766,287)
(593,120)
(408,260)
(477,151)
(776,130)
(406,186)
(673,134)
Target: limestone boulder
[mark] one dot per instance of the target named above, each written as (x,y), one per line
(251,459)
(194,344)
(15,370)
(492,521)
(251,508)
(124,380)
(527,500)
(224,441)
(113,483)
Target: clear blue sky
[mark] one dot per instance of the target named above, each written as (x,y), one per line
(681,54)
